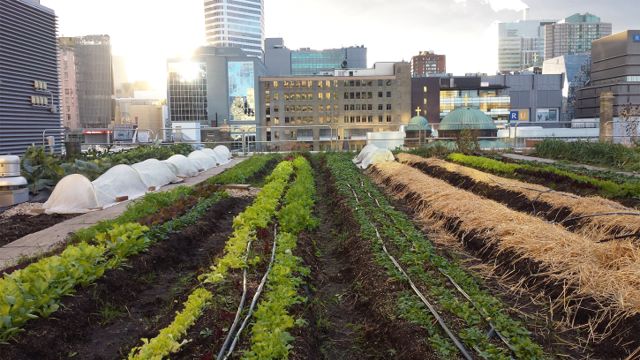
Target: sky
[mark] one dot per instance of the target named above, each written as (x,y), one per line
(144,33)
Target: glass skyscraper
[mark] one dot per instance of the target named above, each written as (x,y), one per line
(235,23)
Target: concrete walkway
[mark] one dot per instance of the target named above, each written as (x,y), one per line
(577,166)
(41,242)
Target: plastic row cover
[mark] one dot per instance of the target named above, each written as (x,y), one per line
(76,194)
(371,155)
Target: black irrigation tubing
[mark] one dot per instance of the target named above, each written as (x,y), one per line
(620,237)
(256,296)
(240,306)
(493,329)
(600,214)
(431,308)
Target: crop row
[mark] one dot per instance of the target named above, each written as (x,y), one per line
(584,214)
(257,216)
(43,169)
(370,208)
(598,277)
(36,290)
(270,337)
(545,174)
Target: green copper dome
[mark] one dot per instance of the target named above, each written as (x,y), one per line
(418,123)
(465,118)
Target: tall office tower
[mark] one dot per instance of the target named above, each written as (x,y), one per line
(427,63)
(29,92)
(88,60)
(521,44)
(573,35)
(235,23)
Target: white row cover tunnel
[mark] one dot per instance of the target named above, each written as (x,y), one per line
(75,194)
(371,155)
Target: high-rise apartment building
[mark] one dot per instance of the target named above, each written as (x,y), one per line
(521,44)
(281,61)
(573,35)
(29,90)
(427,63)
(87,80)
(235,23)
(615,68)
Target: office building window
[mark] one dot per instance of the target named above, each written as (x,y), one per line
(380,108)
(379,94)
(380,82)
(370,107)
(379,118)
(388,106)
(388,118)
(388,94)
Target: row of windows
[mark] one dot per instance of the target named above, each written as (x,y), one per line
(297,96)
(324,83)
(215,17)
(233,2)
(366,119)
(322,120)
(369,107)
(236,39)
(216,8)
(364,95)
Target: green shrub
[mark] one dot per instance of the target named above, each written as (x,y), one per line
(601,154)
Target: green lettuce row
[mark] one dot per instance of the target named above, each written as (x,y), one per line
(270,333)
(36,291)
(256,216)
(415,252)
(607,188)
(245,170)
(167,340)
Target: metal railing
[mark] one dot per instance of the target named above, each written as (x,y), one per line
(339,137)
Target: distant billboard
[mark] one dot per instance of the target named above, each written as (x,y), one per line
(242,98)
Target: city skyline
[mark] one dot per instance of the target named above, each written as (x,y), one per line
(147,34)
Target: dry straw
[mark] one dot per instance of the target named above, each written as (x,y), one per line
(596,228)
(607,273)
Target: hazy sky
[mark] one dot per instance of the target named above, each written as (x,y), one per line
(146,32)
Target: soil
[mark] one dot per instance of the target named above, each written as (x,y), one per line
(350,313)
(105,320)
(207,336)
(513,266)
(17,226)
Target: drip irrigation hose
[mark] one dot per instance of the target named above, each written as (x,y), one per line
(431,308)
(620,237)
(256,296)
(600,214)
(240,306)
(487,318)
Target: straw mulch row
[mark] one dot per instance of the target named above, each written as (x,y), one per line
(613,221)
(595,285)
